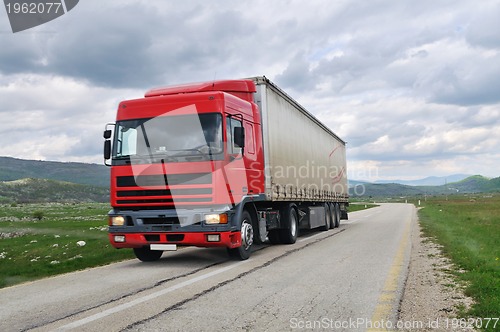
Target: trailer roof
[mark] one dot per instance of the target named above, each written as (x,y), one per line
(264,80)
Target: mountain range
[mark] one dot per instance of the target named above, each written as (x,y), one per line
(81,173)
(42,181)
(430,181)
(471,184)
(33,181)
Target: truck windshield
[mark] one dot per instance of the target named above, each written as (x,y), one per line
(191,137)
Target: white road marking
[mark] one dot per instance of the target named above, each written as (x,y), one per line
(146,298)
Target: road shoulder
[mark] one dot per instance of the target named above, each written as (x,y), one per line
(432,295)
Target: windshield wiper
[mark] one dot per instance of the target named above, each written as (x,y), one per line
(162,157)
(203,149)
(154,158)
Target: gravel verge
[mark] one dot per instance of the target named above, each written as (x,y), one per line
(432,296)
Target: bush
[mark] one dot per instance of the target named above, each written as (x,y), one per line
(38,215)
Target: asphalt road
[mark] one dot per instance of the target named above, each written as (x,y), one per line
(350,278)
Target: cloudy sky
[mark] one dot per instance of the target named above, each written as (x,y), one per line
(412,86)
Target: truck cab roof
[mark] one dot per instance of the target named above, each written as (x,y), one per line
(243,88)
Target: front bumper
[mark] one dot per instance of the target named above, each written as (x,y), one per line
(198,239)
(179,227)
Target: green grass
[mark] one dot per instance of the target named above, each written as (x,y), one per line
(469,230)
(41,240)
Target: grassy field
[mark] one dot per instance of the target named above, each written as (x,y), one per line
(468,227)
(40,240)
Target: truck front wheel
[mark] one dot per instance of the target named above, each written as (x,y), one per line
(147,255)
(247,233)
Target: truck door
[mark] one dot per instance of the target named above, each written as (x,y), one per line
(235,168)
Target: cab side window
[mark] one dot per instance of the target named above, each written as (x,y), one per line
(231,123)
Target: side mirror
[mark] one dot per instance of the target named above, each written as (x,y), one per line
(107,149)
(107,143)
(239,137)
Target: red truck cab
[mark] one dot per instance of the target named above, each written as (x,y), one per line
(182,159)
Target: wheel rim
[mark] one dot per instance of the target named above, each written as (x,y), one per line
(246,234)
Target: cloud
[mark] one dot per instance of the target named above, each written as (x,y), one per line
(55,118)
(484,26)
(411,86)
(452,72)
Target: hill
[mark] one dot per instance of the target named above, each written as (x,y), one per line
(472,184)
(81,173)
(430,181)
(43,190)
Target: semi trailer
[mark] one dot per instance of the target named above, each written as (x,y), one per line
(226,163)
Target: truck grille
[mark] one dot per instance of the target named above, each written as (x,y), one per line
(135,190)
(159,180)
(167,192)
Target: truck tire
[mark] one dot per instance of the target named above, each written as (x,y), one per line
(328,217)
(274,236)
(332,215)
(247,233)
(289,234)
(337,215)
(145,254)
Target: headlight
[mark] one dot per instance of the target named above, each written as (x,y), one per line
(216,218)
(116,221)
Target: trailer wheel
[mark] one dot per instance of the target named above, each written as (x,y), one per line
(332,215)
(290,233)
(247,233)
(328,218)
(147,255)
(337,215)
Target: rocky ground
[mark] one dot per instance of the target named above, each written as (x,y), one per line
(432,296)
